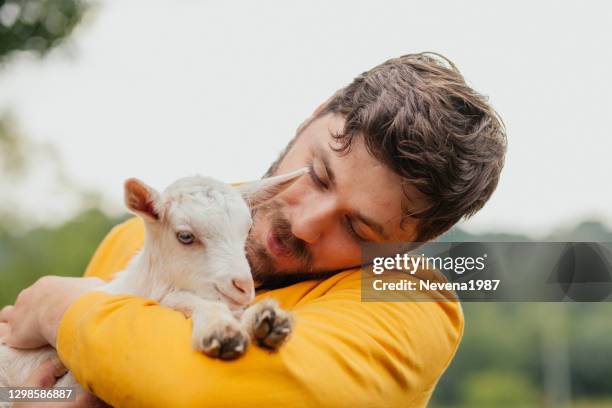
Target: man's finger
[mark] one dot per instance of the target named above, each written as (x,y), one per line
(46,375)
(4,329)
(59,367)
(85,399)
(5,312)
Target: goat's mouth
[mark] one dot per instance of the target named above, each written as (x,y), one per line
(231,302)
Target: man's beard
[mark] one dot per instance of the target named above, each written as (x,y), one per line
(262,265)
(263,268)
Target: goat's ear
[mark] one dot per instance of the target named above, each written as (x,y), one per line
(141,199)
(259,191)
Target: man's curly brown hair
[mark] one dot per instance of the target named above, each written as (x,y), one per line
(418,116)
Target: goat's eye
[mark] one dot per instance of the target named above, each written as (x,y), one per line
(185,237)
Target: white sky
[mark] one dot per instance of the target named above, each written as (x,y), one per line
(163,89)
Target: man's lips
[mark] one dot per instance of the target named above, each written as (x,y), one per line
(276,247)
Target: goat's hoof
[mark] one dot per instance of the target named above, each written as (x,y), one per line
(271,325)
(225,343)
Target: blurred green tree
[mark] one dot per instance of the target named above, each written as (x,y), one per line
(36,25)
(496,388)
(64,250)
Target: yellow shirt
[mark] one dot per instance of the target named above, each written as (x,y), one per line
(343,352)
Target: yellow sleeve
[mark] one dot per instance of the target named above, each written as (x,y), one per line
(134,353)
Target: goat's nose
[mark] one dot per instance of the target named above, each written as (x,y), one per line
(244,285)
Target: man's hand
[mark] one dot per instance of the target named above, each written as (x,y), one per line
(34,319)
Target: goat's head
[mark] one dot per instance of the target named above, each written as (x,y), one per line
(197,230)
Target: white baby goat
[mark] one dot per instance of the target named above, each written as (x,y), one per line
(194,261)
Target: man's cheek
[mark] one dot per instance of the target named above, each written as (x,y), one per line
(337,256)
(259,228)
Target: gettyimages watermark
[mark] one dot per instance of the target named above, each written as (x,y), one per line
(487,271)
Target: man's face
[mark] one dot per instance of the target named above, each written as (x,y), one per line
(317,224)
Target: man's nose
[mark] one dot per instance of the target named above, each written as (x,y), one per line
(309,221)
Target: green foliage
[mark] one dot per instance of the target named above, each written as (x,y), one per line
(36,25)
(496,388)
(499,362)
(589,403)
(590,336)
(64,250)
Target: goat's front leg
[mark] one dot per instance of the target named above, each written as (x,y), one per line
(216,332)
(267,324)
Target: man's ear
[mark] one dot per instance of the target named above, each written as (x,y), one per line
(259,191)
(141,199)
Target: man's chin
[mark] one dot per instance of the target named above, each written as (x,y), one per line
(267,272)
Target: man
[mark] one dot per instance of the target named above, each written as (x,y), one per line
(401,154)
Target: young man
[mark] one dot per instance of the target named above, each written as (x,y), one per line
(401,154)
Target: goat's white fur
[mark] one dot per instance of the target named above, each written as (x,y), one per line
(209,280)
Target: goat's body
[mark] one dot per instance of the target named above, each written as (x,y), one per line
(139,281)
(17,365)
(144,276)
(211,282)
